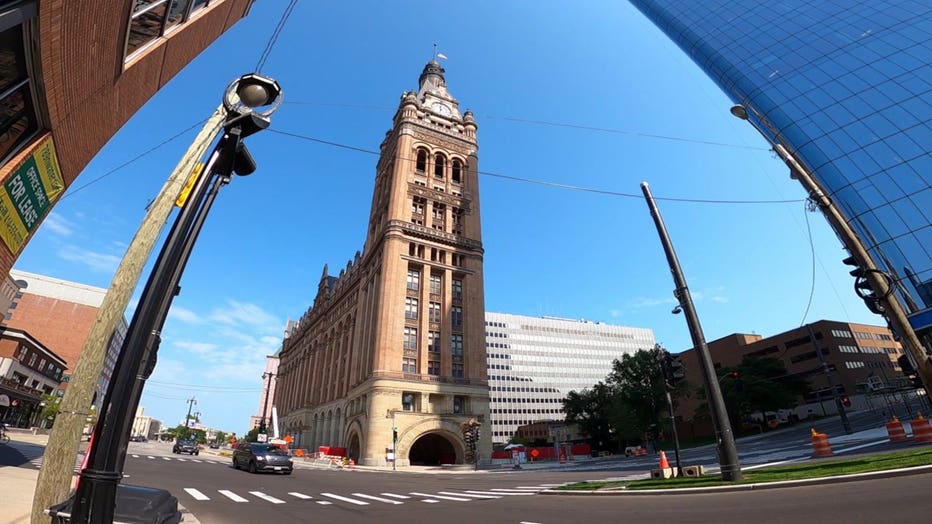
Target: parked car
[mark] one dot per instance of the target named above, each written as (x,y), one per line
(215,445)
(186,446)
(256,456)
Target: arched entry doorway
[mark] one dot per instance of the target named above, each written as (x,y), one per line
(352,450)
(432,449)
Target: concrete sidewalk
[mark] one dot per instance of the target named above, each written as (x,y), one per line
(18,484)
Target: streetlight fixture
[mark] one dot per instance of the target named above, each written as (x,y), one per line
(727,451)
(879,280)
(249,101)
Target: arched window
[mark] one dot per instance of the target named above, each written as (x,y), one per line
(457,171)
(440,163)
(421,165)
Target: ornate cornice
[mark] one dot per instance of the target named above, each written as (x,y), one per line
(431,234)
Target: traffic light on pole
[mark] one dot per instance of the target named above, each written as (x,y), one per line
(676,371)
(394,434)
(845,401)
(736,374)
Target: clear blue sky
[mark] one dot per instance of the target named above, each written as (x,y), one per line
(586,94)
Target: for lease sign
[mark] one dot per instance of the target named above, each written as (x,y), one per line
(28,194)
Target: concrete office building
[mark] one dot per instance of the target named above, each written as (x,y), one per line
(395,339)
(73,73)
(534,362)
(846,88)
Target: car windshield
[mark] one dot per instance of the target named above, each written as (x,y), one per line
(185,442)
(267,449)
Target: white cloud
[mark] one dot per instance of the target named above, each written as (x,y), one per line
(58,225)
(97,261)
(202,348)
(236,313)
(184,315)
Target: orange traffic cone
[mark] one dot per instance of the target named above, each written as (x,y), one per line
(663,460)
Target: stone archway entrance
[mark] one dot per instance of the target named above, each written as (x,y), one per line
(432,449)
(352,450)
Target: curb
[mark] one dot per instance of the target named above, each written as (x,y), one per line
(840,479)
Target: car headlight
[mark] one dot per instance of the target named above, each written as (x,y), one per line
(260,457)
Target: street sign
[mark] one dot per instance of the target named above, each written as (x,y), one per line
(262,437)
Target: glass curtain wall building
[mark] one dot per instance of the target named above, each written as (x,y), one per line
(846,87)
(534,362)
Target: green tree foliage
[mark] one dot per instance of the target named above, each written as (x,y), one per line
(49,411)
(591,410)
(252,435)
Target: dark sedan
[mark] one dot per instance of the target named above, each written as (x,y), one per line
(255,457)
(186,446)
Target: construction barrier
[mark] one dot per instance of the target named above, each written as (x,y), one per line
(299,452)
(896,431)
(820,444)
(922,429)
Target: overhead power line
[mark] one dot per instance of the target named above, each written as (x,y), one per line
(275,34)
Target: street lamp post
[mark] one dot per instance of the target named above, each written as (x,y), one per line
(879,281)
(265,408)
(248,101)
(727,451)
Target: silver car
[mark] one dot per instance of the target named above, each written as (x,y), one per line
(256,456)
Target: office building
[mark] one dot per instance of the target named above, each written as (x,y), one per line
(391,354)
(534,362)
(73,73)
(846,88)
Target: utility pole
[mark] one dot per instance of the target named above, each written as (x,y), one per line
(265,408)
(55,477)
(727,451)
(187,419)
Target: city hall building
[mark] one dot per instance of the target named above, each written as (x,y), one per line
(393,345)
(846,89)
(534,362)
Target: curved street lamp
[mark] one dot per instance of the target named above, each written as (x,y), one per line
(249,102)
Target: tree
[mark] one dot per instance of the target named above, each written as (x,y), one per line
(591,410)
(252,435)
(49,410)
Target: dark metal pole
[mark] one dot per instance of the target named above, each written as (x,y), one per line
(831,383)
(265,409)
(187,418)
(727,451)
(676,436)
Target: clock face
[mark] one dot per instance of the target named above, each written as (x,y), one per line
(443,109)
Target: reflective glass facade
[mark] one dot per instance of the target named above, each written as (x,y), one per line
(846,87)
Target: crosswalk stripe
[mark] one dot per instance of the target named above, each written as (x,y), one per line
(151,457)
(232,496)
(518,493)
(430,501)
(193,460)
(300,495)
(135,456)
(427,495)
(396,496)
(346,499)
(323,502)
(196,494)
(515,490)
(532,487)
(166,458)
(379,499)
(269,498)
(475,496)
(181,460)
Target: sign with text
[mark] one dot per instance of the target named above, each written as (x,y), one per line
(27,195)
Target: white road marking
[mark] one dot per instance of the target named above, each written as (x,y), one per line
(346,499)
(193,460)
(300,495)
(135,456)
(151,457)
(519,488)
(196,494)
(534,487)
(475,496)
(396,496)
(515,490)
(181,460)
(166,458)
(232,496)
(269,498)
(427,495)
(379,499)
(323,502)
(430,501)
(517,493)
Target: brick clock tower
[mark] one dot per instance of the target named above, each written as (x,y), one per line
(394,347)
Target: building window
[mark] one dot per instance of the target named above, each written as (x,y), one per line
(409,365)
(414,279)
(459,404)
(410,308)
(410,341)
(408,401)
(434,314)
(457,176)
(150,19)
(32,360)
(18,119)
(440,164)
(457,289)
(433,367)
(456,316)
(456,349)
(417,205)
(433,341)
(421,164)
(436,284)
(457,218)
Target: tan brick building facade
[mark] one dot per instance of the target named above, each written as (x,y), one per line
(74,73)
(396,340)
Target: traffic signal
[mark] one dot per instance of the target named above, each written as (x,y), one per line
(845,401)
(863,287)
(394,434)
(736,374)
(677,371)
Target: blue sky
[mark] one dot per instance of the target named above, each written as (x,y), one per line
(586,95)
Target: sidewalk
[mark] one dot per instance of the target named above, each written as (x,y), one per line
(18,484)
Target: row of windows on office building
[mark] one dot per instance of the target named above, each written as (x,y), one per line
(438,215)
(435,317)
(151,20)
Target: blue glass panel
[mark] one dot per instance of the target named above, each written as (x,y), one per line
(907,210)
(904,146)
(923,201)
(906,177)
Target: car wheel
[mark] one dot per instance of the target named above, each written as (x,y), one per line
(252,467)
(196,453)
(235,465)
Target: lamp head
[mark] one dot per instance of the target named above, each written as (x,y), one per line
(677,310)
(739,111)
(253,93)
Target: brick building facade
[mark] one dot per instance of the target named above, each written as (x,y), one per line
(396,339)
(73,73)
